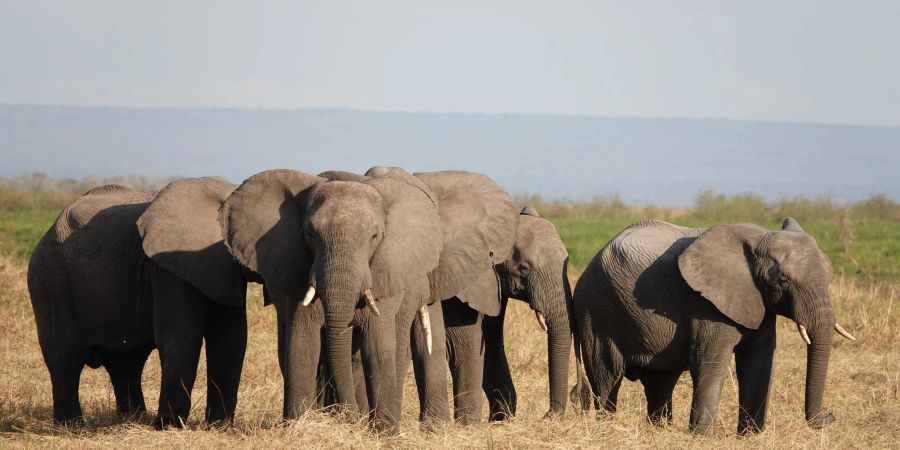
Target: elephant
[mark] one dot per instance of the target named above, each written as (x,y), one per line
(479,222)
(338,254)
(490,253)
(121,272)
(660,299)
(537,273)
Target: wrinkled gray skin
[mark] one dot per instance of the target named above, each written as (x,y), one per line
(343,236)
(660,299)
(536,273)
(100,300)
(483,230)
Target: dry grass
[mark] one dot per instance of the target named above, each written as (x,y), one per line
(863,390)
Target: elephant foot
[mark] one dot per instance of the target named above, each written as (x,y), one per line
(552,414)
(384,428)
(134,414)
(219,424)
(432,424)
(821,420)
(500,416)
(166,421)
(77,421)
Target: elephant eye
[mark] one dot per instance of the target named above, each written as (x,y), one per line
(375,236)
(784,282)
(525,269)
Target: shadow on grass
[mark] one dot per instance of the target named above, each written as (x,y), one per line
(38,420)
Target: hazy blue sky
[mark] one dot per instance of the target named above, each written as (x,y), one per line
(810,61)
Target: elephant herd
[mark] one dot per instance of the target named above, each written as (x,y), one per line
(369,272)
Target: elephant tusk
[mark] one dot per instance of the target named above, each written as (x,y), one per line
(370,300)
(803,334)
(843,332)
(310,295)
(541,321)
(426,325)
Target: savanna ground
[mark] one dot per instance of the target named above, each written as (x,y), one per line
(862,240)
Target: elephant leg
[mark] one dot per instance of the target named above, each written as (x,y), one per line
(708,371)
(359,375)
(431,369)
(754,373)
(497,382)
(226,343)
(605,367)
(303,348)
(65,378)
(465,352)
(379,350)
(179,317)
(658,388)
(125,374)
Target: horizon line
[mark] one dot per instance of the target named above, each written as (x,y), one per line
(448,113)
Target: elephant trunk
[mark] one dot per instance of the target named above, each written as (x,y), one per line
(340,295)
(820,327)
(556,303)
(559,341)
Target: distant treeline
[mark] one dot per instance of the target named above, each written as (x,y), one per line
(712,207)
(38,191)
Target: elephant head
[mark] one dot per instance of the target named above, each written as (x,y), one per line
(180,232)
(745,270)
(347,242)
(537,272)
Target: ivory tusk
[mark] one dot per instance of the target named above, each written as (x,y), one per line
(843,332)
(426,325)
(541,321)
(803,334)
(310,295)
(370,300)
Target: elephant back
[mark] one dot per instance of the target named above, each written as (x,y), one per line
(479,220)
(180,232)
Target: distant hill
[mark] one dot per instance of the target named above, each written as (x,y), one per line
(662,161)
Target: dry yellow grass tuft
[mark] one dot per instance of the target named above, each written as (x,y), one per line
(863,390)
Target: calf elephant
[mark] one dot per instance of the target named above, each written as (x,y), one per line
(121,272)
(536,273)
(342,253)
(660,299)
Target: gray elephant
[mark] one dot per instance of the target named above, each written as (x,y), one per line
(536,273)
(122,272)
(490,253)
(660,299)
(479,228)
(338,254)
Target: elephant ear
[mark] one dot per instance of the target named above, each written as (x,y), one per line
(717,265)
(791,224)
(411,245)
(340,175)
(479,221)
(484,294)
(401,175)
(180,232)
(262,223)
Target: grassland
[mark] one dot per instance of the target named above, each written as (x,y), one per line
(863,387)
